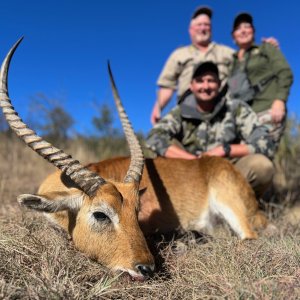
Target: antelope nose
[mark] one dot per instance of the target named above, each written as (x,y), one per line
(145,270)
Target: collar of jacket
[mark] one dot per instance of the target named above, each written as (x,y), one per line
(253,46)
(188,108)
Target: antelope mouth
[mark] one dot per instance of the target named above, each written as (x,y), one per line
(138,277)
(134,276)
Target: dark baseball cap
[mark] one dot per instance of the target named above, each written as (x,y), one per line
(242,18)
(202,10)
(204,67)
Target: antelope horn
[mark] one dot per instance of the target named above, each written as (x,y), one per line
(136,166)
(86,180)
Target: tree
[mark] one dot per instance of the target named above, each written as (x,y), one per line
(105,122)
(54,121)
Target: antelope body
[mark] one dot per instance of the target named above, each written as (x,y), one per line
(181,193)
(108,207)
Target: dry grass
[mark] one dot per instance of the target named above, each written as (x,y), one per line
(37,261)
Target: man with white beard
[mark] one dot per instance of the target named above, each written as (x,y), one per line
(177,72)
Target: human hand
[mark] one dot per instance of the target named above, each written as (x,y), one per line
(155,116)
(278,111)
(271,40)
(217,151)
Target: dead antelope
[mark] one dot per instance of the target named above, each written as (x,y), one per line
(103,209)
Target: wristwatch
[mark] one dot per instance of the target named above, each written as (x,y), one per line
(227,149)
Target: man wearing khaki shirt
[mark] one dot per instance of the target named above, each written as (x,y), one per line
(177,72)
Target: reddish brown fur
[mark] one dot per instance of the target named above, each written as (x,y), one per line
(177,189)
(120,248)
(179,193)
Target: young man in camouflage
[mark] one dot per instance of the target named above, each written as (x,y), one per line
(205,123)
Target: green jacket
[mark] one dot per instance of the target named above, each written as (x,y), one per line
(230,122)
(261,62)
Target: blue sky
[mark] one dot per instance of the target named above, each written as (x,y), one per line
(67,44)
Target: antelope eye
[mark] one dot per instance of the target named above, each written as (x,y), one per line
(100,216)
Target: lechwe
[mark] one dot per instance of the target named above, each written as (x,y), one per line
(107,217)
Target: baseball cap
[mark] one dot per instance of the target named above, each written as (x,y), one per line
(202,10)
(204,67)
(242,17)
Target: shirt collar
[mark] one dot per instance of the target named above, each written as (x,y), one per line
(253,46)
(210,47)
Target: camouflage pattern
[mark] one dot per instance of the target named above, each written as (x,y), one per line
(276,129)
(232,122)
(178,69)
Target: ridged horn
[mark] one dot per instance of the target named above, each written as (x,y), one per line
(136,166)
(86,180)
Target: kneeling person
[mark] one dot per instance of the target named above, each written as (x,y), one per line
(206,123)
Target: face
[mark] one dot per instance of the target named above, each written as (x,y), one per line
(107,230)
(200,30)
(244,35)
(205,87)
(104,227)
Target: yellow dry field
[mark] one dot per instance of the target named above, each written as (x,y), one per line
(38,261)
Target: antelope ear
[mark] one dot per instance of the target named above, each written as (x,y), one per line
(41,203)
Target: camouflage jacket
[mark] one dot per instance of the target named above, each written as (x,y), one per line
(231,122)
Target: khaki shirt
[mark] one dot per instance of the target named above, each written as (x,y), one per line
(178,69)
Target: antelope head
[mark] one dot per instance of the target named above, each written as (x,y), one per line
(104,224)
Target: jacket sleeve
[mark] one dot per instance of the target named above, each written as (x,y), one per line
(281,69)
(255,135)
(161,135)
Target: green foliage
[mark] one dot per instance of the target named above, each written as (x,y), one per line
(104,123)
(54,121)
(111,141)
(286,180)
(59,122)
